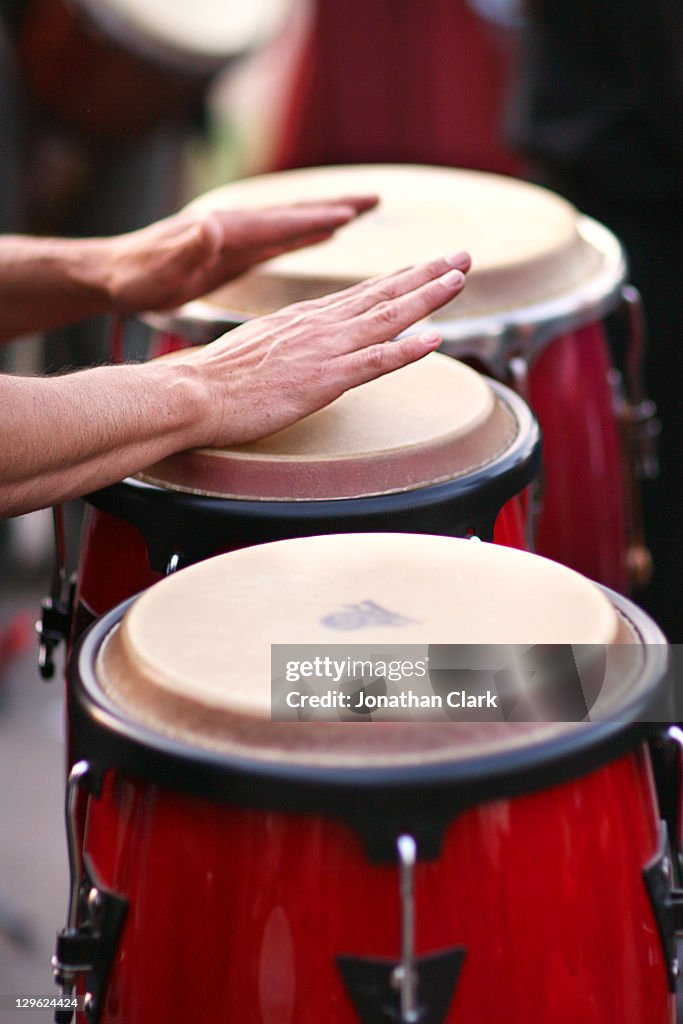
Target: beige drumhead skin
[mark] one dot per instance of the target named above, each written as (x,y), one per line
(204,28)
(191,657)
(524,240)
(431,421)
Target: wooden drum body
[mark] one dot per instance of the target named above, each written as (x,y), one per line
(543,279)
(287,872)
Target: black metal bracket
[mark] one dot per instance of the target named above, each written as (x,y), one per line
(667,905)
(639,412)
(374,992)
(666,755)
(53,627)
(87,951)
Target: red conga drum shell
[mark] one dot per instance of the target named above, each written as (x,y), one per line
(356,99)
(276,841)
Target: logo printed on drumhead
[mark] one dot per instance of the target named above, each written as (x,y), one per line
(365,613)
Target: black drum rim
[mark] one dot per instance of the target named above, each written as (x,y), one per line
(106,737)
(523,453)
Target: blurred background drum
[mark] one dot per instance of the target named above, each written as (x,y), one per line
(433,448)
(389,869)
(356,96)
(115,67)
(543,279)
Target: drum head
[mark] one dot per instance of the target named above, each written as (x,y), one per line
(191,658)
(204,29)
(432,421)
(533,255)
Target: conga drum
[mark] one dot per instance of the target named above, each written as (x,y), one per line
(542,280)
(355,97)
(110,68)
(433,448)
(346,867)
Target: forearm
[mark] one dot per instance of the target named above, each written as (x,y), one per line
(64,436)
(46,282)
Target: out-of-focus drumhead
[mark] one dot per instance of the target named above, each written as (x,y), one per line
(191,658)
(203,28)
(526,243)
(432,421)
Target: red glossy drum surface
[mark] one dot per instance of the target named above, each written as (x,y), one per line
(510,528)
(543,278)
(239,914)
(356,97)
(114,561)
(570,392)
(257,857)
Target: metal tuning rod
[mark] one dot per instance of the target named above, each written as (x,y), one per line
(416,990)
(404,977)
(73,957)
(95,917)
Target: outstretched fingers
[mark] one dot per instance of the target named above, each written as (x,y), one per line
(368,294)
(386,318)
(360,203)
(375,360)
(272,225)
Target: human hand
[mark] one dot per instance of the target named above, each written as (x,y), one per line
(189,254)
(271,372)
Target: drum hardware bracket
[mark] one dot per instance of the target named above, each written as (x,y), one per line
(666,751)
(639,429)
(417,990)
(87,951)
(86,947)
(518,374)
(380,838)
(667,906)
(369,984)
(638,412)
(54,624)
(644,428)
(174,563)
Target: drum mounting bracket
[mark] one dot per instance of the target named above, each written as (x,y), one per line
(87,951)
(667,904)
(95,916)
(52,628)
(416,990)
(371,986)
(54,624)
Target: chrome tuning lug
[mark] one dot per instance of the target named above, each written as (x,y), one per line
(417,989)
(95,917)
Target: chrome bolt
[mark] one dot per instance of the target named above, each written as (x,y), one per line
(94,901)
